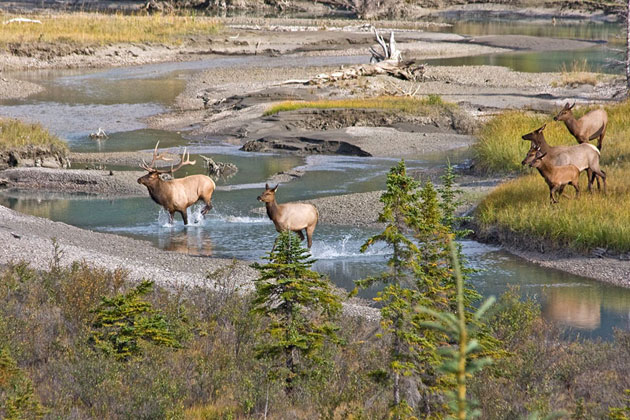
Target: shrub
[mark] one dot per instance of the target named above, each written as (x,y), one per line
(123,322)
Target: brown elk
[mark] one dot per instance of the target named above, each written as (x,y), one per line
(176,195)
(585,156)
(589,127)
(556,177)
(290,216)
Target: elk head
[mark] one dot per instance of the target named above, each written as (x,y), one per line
(565,113)
(269,195)
(153,177)
(531,155)
(534,157)
(536,136)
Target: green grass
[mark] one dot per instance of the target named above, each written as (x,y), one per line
(522,207)
(411,105)
(501,149)
(15,134)
(99,29)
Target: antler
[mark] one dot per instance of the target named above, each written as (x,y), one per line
(149,167)
(185,160)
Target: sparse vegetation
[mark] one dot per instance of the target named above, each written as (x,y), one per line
(87,29)
(579,73)
(48,367)
(432,104)
(15,134)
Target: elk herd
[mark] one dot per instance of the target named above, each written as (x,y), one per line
(561,165)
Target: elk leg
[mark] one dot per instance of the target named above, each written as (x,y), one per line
(589,178)
(577,188)
(207,208)
(309,235)
(552,191)
(300,234)
(601,139)
(184,216)
(170,217)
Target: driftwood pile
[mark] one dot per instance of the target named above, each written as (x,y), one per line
(219,169)
(388,62)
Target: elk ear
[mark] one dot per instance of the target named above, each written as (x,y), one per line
(571,107)
(267,186)
(275,188)
(542,128)
(567,106)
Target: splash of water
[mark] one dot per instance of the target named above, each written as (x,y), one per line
(346,247)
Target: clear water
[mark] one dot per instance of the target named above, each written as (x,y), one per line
(78,102)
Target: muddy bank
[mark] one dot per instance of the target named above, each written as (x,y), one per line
(11,88)
(34,156)
(74,181)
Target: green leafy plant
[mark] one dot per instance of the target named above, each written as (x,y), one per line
(17,396)
(300,307)
(123,322)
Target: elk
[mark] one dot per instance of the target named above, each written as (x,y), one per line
(176,195)
(584,156)
(589,127)
(556,177)
(290,216)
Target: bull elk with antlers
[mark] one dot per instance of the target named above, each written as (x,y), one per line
(176,195)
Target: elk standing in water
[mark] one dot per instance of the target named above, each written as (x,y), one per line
(290,216)
(589,127)
(176,195)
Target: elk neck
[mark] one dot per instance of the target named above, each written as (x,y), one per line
(572,124)
(272,209)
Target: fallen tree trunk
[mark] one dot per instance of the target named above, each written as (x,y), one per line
(408,70)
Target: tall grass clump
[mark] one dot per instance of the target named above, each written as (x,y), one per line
(99,29)
(407,104)
(17,134)
(579,73)
(522,207)
(501,149)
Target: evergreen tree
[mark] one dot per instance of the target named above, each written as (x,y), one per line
(420,275)
(450,201)
(124,321)
(300,306)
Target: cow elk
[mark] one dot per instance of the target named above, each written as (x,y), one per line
(590,126)
(290,216)
(176,195)
(584,156)
(556,177)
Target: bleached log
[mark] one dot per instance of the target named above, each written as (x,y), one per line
(21,20)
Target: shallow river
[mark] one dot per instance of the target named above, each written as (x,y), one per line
(78,102)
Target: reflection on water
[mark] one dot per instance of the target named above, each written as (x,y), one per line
(537,62)
(542,28)
(574,307)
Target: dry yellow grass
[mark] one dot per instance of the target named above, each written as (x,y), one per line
(579,73)
(16,134)
(406,104)
(99,29)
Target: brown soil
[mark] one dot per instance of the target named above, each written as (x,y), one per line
(47,157)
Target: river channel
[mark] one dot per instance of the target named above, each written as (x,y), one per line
(77,102)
